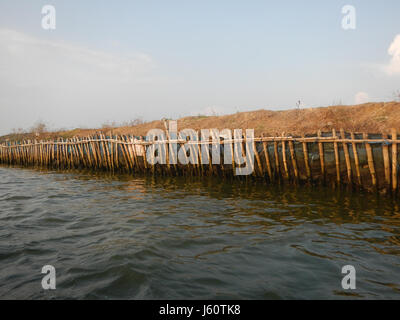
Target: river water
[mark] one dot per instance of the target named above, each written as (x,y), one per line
(124,237)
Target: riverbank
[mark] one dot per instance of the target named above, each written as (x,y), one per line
(362,160)
(370,117)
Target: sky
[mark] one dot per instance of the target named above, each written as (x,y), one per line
(116,61)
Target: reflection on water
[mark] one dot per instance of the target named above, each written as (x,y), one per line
(112,236)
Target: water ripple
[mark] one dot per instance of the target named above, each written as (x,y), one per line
(118,236)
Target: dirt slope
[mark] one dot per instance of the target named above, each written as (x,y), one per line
(370,117)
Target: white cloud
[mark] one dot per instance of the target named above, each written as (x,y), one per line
(361,97)
(394,50)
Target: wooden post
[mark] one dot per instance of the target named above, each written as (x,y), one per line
(370,160)
(93,151)
(284,157)
(210,165)
(129,154)
(347,156)
(196,154)
(246,143)
(116,148)
(321,155)
(86,152)
(294,161)
(337,160)
(276,155)
(109,152)
(144,153)
(257,159)
(356,159)
(394,160)
(135,156)
(171,153)
(237,148)
(306,163)
(111,146)
(267,161)
(386,159)
(125,155)
(166,146)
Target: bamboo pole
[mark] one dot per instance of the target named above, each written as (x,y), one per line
(347,156)
(116,152)
(276,155)
(195,155)
(370,161)
(81,156)
(236,150)
(135,156)
(386,160)
(306,161)
(93,148)
(210,164)
(337,160)
(246,155)
(356,159)
(394,160)
(108,153)
(167,153)
(125,155)
(294,161)
(321,155)
(285,166)
(86,154)
(100,152)
(231,148)
(144,154)
(129,153)
(267,160)
(112,153)
(80,152)
(259,166)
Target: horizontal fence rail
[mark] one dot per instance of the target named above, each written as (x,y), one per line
(367,161)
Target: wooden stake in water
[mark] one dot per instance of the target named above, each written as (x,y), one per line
(267,161)
(386,159)
(276,155)
(294,161)
(306,162)
(260,170)
(346,155)
(356,160)
(370,160)
(394,160)
(285,166)
(337,160)
(321,155)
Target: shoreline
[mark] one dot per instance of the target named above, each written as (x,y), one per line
(357,160)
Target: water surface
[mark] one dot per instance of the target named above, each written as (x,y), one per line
(119,236)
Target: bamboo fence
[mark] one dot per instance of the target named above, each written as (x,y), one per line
(361,160)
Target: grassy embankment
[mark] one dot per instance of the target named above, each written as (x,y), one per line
(369,117)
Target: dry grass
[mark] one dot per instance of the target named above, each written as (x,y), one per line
(369,117)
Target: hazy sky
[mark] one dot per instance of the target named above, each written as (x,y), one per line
(121,60)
